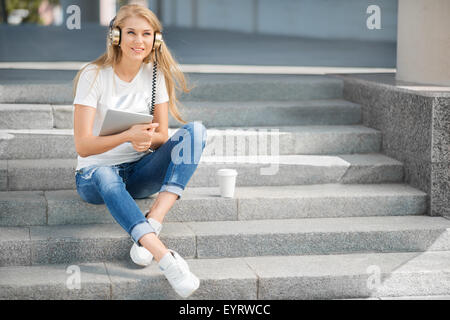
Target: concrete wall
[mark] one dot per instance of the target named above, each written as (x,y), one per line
(415,128)
(338,19)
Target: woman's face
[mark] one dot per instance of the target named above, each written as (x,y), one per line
(136,38)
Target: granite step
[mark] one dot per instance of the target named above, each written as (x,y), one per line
(211,113)
(227,239)
(313,140)
(57,174)
(29,208)
(205,87)
(350,276)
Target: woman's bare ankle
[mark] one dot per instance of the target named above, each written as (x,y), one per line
(151,242)
(154,215)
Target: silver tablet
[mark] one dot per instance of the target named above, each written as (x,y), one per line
(117,121)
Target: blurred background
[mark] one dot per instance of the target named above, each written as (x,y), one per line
(239,32)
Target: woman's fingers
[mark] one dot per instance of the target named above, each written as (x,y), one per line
(154,125)
(140,147)
(147,126)
(142,141)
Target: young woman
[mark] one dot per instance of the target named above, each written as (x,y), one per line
(116,169)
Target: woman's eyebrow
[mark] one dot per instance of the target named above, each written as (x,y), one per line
(133,29)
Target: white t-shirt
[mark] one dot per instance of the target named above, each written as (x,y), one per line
(109,91)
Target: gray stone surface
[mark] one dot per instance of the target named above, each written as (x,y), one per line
(350,276)
(221,114)
(3,175)
(441,132)
(313,140)
(246,87)
(15,248)
(55,282)
(99,242)
(372,168)
(5,140)
(58,174)
(301,170)
(403,117)
(219,279)
(25,116)
(202,204)
(23,208)
(62,116)
(415,126)
(108,242)
(408,275)
(300,140)
(38,144)
(225,279)
(73,244)
(205,87)
(329,200)
(41,174)
(358,139)
(66,207)
(431,297)
(440,184)
(205,204)
(270,113)
(440,157)
(38,92)
(320,236)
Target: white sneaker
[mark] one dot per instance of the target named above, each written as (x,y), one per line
(140,255)
(177,272)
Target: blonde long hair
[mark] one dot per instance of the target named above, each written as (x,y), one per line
(174,77)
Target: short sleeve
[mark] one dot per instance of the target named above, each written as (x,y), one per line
(88,88)
(161,89)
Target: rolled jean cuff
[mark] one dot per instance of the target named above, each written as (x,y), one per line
(172,188)
(140,230)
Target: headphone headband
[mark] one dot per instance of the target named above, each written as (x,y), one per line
(115,36)
(112,22)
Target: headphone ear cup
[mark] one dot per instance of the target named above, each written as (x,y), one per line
(114,36)
(158,41)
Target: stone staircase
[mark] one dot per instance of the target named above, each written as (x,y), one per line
(336,221)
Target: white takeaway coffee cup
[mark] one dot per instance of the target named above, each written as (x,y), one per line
(227,182)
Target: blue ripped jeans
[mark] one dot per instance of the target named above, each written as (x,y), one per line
(168,168)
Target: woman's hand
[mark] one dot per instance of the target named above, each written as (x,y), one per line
(140,136)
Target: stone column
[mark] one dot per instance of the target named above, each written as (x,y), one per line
(107,11)
(423,41)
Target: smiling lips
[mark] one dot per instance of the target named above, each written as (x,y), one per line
(138,50)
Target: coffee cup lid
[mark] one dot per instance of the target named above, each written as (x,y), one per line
(226,172)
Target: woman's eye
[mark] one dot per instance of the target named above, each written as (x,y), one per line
(130,32)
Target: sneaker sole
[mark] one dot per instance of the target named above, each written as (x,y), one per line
(135,261)
(197,285)
(133,256)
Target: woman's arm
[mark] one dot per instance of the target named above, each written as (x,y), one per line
(86,144)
